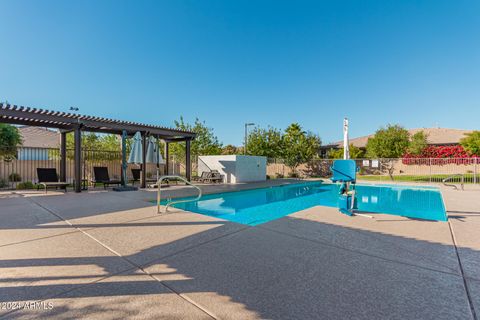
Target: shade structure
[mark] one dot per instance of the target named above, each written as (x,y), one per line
(346,147)
(136,152)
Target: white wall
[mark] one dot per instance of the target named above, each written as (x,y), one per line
(251,168)
(235,168)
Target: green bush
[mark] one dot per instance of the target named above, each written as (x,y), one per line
(14,177)
(268,177)
(293,175)
(25,185)
(279,176)
(3,183)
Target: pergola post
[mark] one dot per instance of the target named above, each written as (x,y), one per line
(144,160)
(188,162)
(167,159)
(124,159)
(63,156)
(78,159)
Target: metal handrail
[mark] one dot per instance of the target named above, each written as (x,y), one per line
(462,181)
(159,184)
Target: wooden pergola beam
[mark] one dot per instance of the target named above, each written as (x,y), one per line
(62,120)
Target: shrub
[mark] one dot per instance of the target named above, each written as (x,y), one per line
(25,185)
(3,183)
(279,176)
(14,177)
(268,177)
(440,155)
(471,143)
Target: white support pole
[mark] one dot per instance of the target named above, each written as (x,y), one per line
(346,151)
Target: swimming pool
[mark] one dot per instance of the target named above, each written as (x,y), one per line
(257,206)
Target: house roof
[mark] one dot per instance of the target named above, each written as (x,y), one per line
(435,136)
(38,137)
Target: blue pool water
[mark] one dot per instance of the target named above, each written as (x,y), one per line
(253,207)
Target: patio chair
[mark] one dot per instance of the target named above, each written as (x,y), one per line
(216,176)
(136,175)
(212,176)
(101,176)
(205,175)
(48,178)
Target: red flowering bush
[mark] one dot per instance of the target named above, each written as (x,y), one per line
(440,155)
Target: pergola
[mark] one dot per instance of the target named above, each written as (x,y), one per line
(76,123)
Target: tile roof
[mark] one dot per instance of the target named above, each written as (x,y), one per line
(38,137)
(440,136)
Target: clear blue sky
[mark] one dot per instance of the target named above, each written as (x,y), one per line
(416,63)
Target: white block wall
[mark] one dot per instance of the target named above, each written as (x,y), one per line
(235,168)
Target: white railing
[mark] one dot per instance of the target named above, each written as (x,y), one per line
(421,170)
(170,203)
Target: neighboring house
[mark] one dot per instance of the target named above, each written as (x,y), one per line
(435,137)
(36,142)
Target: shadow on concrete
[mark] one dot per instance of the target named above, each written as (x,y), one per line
(267,272)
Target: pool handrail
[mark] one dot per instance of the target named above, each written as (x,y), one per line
(447,179)
(173,177)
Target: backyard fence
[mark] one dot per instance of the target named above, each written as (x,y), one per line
(18,167)
(431,170)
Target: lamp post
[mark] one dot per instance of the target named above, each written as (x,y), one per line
(246,137)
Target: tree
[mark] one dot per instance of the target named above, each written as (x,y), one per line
(96,142)
(389,142)
(10,138)
(418,143)
(230,149)
(355,153)
(206,143)
(471,143)
(299,146)
(265,142)
(96,146)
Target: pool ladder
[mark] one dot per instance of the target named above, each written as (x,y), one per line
(462,181)
(170,203)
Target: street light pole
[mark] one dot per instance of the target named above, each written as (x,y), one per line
(246,137)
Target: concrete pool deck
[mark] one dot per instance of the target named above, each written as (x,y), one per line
(108,255)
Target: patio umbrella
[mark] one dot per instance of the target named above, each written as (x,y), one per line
(136,152)
(346,150)
(153,153)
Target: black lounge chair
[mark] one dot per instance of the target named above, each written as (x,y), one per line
(101,176)
(136,175)
(48,178)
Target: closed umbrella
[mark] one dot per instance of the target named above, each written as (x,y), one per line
(153,153)
(136,152)
(346,147)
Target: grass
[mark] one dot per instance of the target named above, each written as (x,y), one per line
(425,178)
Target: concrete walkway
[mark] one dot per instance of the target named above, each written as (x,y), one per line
(107,255)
